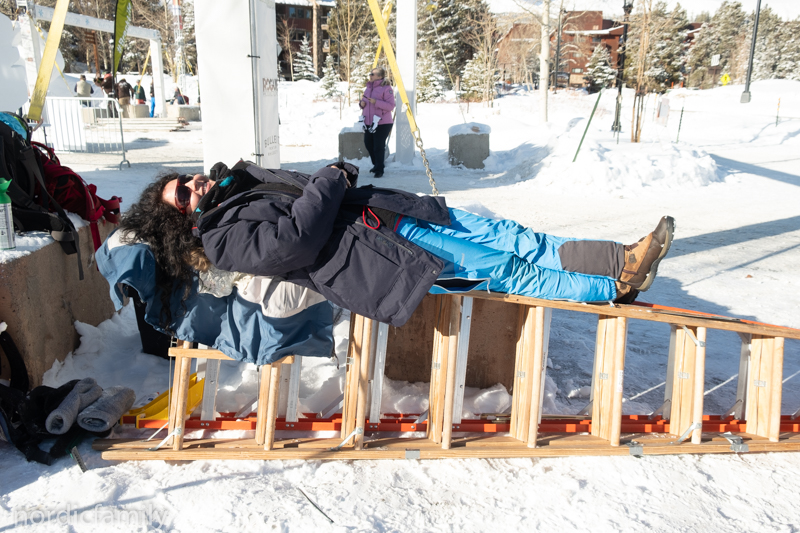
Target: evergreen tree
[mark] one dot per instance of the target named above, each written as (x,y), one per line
(430,77)
(768,45)
(789,64)
(358,79)
(669,51)
(449,36)
(599,73)
(330,80)
(477,82)
(304,63)
(721,36)
(665,56)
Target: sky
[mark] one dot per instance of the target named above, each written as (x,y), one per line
(786,9)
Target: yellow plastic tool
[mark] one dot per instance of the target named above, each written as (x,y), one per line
(158,408)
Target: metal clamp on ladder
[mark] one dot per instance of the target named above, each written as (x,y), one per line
(737,443)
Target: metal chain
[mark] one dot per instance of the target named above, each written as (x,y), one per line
(418,142)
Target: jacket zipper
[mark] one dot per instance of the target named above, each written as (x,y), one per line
(406,248)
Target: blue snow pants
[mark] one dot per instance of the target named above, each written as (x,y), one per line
(503,256)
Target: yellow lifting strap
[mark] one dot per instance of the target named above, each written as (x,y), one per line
(389,50)
(380,24)
(387,11)
(48,59)
(144,68)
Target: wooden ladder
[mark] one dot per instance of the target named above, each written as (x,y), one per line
(605,430)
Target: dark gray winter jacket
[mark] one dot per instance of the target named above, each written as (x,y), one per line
(323,237)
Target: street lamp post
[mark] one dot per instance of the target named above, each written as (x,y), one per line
(627,7)
(746,94)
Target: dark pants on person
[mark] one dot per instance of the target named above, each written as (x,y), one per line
(376,145)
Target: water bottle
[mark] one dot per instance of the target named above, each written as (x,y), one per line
(6,220)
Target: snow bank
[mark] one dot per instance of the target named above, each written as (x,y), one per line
(603,168)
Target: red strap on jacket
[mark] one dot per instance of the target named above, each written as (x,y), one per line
(364,218)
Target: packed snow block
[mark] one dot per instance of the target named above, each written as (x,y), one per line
(41,297)
(492,344)
(351,143)
(469,144)
(190,113)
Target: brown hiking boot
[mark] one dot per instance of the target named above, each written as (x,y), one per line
(642,258)
(625,293)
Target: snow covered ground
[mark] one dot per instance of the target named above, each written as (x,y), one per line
(733,185)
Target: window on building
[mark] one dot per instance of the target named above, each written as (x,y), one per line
(292,12)
(577,70)
(595,39)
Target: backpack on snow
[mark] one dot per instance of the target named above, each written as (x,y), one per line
(75,195)
(39,183)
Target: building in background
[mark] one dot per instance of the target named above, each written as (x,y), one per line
(303,19)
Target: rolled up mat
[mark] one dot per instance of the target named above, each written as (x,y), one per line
(107,410)
(82,395)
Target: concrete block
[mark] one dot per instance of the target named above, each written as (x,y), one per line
(136,111)
(188,112)
(469,145)
(492,347)
(41,297)
(351,144)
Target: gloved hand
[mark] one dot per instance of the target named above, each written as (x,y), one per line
(350,172)
(375,120)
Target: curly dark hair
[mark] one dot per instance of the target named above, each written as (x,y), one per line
(169,234)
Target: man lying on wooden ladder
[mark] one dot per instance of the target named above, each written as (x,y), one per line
(374,251)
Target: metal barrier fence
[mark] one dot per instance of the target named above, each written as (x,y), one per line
(87,125)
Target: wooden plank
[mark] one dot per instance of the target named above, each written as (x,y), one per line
(617,378)
(606,406)
(184,368)
(493,441)
(742,380)
(699,383)
(272,403)
(519,392)
(767,365)
(427,452)
(535,373)
(352,371)
(599,370)
(263,401)
(197,353)
(173,397)
(363,380)
(683,383)
(637,312)
(753,379)
(775,390)
(439,370)
(450,384)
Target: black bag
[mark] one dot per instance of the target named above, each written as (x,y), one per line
(32,205)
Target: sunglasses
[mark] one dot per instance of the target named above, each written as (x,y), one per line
(182,193)
(372,74)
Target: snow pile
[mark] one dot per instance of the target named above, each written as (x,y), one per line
(603,168)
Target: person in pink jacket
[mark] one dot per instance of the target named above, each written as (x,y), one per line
(376,106)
